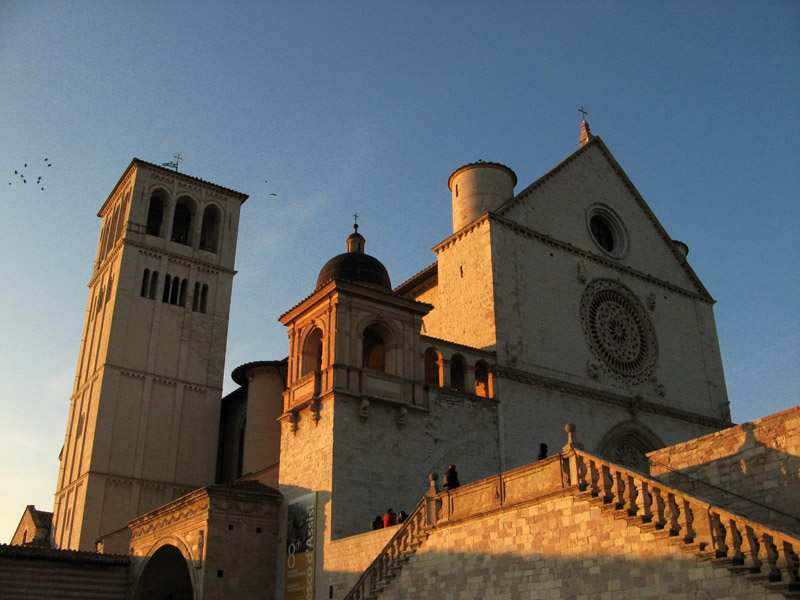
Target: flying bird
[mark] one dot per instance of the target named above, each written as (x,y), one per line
(273,194)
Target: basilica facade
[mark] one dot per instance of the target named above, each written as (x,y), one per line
(563,302)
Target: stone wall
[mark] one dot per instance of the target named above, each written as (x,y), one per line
(558,547)
(348,558)
(382,459)
(44,574)
(752,469)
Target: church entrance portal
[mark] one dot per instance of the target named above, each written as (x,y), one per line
(165,577)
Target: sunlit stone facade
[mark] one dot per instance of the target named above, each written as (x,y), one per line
(564,302)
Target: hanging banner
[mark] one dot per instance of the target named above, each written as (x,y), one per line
(298,580)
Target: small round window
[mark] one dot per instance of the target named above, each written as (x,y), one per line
(607,230)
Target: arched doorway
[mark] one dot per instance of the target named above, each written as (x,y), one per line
(165,577)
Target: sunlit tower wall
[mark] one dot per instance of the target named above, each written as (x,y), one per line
(478,188)
(144,413)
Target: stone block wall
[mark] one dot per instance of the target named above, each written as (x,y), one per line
(752,469)
(558,547)
(43,574)
(346,559)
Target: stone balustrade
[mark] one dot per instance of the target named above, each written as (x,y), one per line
(764,554)
(710,531)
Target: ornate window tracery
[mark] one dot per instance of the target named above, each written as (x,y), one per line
(618,330)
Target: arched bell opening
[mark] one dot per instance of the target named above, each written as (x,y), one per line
(312,352)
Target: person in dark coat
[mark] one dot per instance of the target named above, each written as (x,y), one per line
(402,516)
(377,523)
(450,481)
(542,452)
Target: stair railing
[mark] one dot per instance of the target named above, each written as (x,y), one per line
(405,540)
(713,531)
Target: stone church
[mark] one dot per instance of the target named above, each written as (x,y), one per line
(565,302)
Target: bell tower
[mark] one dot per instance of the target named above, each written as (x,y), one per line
(144,413)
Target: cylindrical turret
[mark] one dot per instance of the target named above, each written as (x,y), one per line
(478,188)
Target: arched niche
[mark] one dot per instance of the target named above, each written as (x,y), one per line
(379,348)
(628,443)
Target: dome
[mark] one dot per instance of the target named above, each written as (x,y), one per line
(355,266)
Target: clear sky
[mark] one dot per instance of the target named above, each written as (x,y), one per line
(368,107)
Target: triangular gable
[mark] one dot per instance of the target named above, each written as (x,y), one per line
(557,204)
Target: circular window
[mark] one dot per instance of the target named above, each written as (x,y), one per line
(618,330)
(607,230)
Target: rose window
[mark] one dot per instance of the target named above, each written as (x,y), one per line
(618,330)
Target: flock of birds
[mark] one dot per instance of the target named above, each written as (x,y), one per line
(21,175)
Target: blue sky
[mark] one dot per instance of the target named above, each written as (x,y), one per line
(368,107)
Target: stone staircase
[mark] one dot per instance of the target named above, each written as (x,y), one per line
(411,534)
(764,555)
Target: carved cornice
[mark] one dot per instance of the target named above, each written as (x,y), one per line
(149,252)
(631,404)
(608,263)
(159,252)
(250,498)
(184,262)
(133,375)
(89,381)
(138,531)
(466,230)
(107,261)
(615,166)
(119,190)
(165,381)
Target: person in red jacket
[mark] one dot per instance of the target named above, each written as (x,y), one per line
(389,518)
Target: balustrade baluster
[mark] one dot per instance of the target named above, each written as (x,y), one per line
(751,553)
(718,535)
(788,562)
(769,557)
(581,471)
(631,496)
(736,543)
(618,482)
(672,512)
(687,521)
(646,502)
(594,478)
(660,508)
(606,483)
